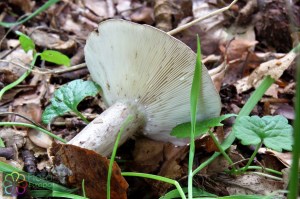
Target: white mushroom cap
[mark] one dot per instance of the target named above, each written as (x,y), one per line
(142,65)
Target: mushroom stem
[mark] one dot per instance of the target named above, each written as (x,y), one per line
(101,133)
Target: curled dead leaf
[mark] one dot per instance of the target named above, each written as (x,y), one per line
(73,164)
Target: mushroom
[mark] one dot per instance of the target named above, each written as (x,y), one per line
(146,73)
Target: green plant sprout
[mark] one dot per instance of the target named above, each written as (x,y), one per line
(67,98)
(27,44)
(48,55)
(272,131)
(113,155)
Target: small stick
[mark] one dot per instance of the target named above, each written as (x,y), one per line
(185,26)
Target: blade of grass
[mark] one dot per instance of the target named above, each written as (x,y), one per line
(34,127)
(159,178)
(294,175)
(195,91)
(113,155)
(20,79)
(38,11)
(48,193)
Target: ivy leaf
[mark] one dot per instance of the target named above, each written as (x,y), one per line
(26,42)
(183,130)
(55,57)
(67,98)
(274,131)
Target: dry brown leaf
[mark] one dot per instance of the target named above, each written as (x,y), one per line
(3,40)
(77,164)
(14,138)
(25,5)
(250,183)
(99,7)
(150,156)
(143,15)
(52,41)
(147,155)
(18,56)
(285,158)
(274,68)
(285,110)
(168,13)
(237,49)
(32,111)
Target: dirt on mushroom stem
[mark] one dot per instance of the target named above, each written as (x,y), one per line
(101,133)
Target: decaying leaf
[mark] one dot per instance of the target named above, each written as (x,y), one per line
(284,157)
(144,15)
(25,5)
(250,183)
(168,13)
(150,156)
(73,164)
(52,41)
(274,68)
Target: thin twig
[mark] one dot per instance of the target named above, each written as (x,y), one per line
(47,71)
(185,26)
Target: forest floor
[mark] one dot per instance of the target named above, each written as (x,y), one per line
(242,39)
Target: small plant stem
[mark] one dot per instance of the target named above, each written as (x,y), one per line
(190,167)
(221,149)
(20,79)
(267,175)
(246,110)
(81,116)
(185,26)
(83,188)
(159,178)
(38,11)
(113,155)
(252,157)
(265,169)
(34,127)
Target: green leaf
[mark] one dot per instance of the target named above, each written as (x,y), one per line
(67,98)
(274,131)
(196,193)
(55,57)
(26,42)
(183,130)
(48,193)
